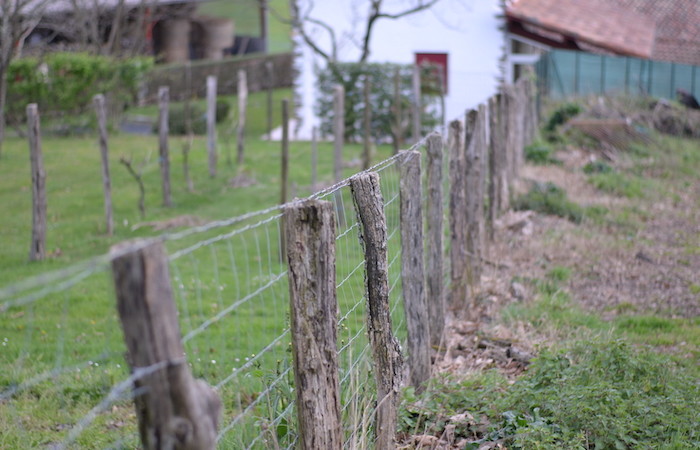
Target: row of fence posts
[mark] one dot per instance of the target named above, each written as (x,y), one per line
(37,250)
(176,411)
(39,202)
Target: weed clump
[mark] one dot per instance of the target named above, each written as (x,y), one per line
(548,198)
(593,394)
(560,116)
(540,153)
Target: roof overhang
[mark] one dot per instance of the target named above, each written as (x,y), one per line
(582,24)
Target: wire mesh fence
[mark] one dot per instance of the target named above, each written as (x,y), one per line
(63,350)
(66,379)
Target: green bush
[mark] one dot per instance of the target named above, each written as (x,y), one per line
(381,98)
(67,82)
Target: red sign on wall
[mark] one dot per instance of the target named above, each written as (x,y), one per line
(435,59)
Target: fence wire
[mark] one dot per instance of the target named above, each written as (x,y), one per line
(65,382)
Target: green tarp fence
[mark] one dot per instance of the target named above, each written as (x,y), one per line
(564,73)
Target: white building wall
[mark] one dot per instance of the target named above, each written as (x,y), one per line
(467,30)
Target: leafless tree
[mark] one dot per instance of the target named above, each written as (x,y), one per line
(378,10)
(19,18)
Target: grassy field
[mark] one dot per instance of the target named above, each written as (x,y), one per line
(599,382)
(71,339)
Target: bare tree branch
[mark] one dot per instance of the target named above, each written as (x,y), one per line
(376,13)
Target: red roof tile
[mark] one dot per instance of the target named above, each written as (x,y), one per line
(596,22)
(659,29)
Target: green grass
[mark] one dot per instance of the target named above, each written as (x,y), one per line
(60,333)
(603,384)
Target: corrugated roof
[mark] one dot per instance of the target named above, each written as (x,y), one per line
(600,23)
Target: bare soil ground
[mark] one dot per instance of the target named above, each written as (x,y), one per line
(646,264)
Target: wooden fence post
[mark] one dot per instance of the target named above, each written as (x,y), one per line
(163,105)
(434,267)
(499,134)
(492,185)
(417,107)
(386,352)
(339,140)
(314,159)
(174,410)
(211,124)
(37,249)
(458,216)
(367,124)
(285,170)
(475,144)
(310,230)
(242,107)
(100,110)
(269,66)
(396,109)
(338,131)
(412,269)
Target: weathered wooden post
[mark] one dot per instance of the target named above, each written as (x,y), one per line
(314,159)
(174,410)
(37,249)
(270,68)
(338,131)
(412,269)
(434,268)
(396,108)
(101,112)
(187,145)
(310,231)
(493,178)
(211,124)
(386,352)
(163,151)
(475,144)
(417,107)
(458,216)
(339,140)
(499,135)
(367,124)
(285,169)
(242,107)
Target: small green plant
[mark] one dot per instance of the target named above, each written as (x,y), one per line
(540,153)
(619,184)
(597,166)
(560,116)
(548,198)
